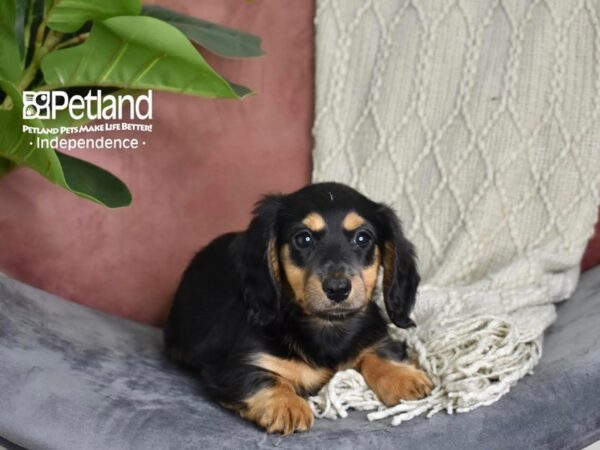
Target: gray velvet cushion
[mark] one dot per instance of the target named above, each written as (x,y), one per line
(74,378)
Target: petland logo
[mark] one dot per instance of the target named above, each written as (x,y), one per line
(121,111)
(46,105)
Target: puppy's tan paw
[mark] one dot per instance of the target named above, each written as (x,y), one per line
(279,409)
(402,382)
(393,381)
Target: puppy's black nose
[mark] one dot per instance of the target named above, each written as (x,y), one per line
(337,289)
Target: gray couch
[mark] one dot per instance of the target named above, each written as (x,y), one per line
(74,378)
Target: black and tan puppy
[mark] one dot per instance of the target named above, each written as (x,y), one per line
(268,315)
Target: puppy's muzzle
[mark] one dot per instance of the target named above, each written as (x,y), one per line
(337,289)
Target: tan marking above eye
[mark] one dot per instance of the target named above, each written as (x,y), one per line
(314,222)
(352,221)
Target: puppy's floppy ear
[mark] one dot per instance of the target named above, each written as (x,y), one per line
(260,262)
(400,276)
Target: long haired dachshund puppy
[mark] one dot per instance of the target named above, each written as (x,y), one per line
(268,315)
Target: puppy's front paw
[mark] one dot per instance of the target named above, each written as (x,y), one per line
(393,381)
(279,409)
(402,382)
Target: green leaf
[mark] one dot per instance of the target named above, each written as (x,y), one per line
(68,16)
(22,12)
(10,67)
(14,144)
(94,183)
(80,177)
(220,40)
(135,53)
(241,91)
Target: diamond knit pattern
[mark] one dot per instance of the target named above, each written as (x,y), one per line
(479,122)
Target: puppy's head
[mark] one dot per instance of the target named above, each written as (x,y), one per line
(321,248)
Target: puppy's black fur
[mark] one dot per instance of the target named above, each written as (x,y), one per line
(271,313)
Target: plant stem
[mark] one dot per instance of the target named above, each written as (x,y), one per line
(73,41)
(27,33)
(6,103)
(42,48)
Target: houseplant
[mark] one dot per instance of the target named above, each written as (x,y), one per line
(117,46)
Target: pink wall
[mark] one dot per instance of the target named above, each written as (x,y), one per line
(198,176)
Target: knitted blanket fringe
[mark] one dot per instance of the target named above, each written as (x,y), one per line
(472,363)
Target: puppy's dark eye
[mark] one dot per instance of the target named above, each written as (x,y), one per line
(303,239)
(362,239)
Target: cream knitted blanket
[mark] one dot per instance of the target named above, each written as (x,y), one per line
(479,121)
